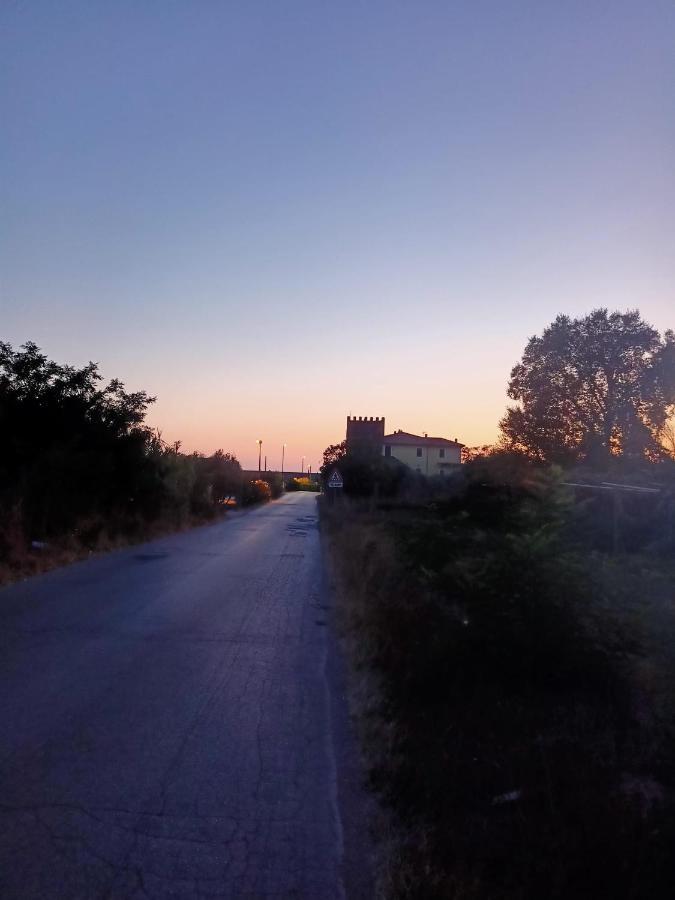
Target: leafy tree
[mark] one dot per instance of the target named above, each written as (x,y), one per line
(592,388)
(469,454)
(364,471)
(71,447)
(333,455)
(226,475)
(77,459)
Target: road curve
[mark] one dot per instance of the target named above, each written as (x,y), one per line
(169,717)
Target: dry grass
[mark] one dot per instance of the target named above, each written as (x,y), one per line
(21,558)
(574,733)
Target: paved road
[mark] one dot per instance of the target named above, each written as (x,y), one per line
(172,722)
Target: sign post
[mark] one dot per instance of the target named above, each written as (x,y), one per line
(335,485)
(335,480)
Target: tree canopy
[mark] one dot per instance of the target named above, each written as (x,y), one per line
(77,456)
(591,388)
(71,445)
(333,455)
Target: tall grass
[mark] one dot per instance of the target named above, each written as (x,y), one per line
(495,674)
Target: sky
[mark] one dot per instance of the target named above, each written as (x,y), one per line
(273,215)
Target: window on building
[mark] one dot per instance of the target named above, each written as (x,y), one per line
(419,451)
(441,453)
(387,450)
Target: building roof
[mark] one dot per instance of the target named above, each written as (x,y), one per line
(418,440)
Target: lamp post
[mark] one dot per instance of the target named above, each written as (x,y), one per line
(259,443)
(283,451)
(302,468)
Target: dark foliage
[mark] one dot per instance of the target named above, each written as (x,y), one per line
(334,454)
(502,733)
(275,483)
(257,491)
(364,474)
(77,460)
(224,474)
(303,484)
(592,388)
(70,446)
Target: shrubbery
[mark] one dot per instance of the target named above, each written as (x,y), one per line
(257,491)
(80,469)
(366,473)
(276,485)
(496,683)
(302,484)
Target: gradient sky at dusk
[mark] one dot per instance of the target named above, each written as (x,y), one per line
(271,215)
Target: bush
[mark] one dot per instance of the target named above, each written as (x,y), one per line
(276,485)
(224,473)
(80,469)
(369,474)
(257,491)
(302,484)
(496,711)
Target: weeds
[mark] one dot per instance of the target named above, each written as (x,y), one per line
(502,689)
(21,558)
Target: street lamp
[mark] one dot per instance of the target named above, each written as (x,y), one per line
(259,443)
(283,451)
(303,466)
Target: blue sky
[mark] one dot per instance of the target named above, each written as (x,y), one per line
(273,214)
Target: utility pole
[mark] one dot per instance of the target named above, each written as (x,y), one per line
(283,451)
(259,443)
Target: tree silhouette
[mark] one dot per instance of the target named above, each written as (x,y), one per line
(77,458)
(333,454)
(70,445)
(225,473)
(592,388)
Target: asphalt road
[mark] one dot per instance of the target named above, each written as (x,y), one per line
(173,723)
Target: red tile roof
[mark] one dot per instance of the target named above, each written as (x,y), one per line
(417,440)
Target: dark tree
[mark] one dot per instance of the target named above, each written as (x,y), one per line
(71,447)
(333,454)
(79,466)
(226,475)
(592,388)
(469,454)
(364,471)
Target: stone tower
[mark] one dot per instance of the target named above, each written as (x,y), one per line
(365,434)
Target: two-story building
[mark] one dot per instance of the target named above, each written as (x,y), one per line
(424,454)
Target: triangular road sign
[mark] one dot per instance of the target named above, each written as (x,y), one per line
(335,480)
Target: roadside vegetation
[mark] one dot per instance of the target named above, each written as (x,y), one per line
(302,484)
(81,471)
(256,491)
(512,636)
